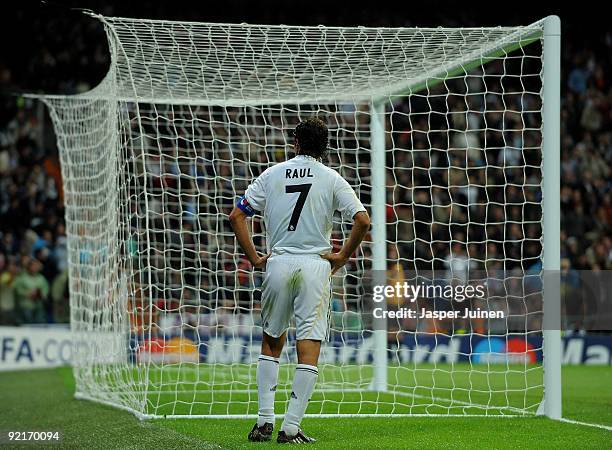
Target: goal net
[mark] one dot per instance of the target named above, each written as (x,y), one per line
(438,130)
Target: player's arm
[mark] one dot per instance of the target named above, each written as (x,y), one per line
(238,219)
(361,225)
(349,206)
(254,200)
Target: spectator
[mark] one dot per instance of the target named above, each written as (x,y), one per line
(8,273)
(60,298)
(31,291)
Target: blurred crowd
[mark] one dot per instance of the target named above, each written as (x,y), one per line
(33,243)
(586,161)
(33,253)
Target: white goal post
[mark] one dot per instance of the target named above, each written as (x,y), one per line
(450,136)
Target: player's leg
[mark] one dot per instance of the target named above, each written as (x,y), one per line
(267,380)
(311,313)
(308,352)
(304,381)
(272,346)
(276,310)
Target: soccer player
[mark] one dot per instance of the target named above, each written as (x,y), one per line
(297,199)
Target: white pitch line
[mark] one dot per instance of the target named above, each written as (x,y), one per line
(586,424)
(460,402)
(336,416)
(225,391)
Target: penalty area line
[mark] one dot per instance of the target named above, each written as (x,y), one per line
(586,424)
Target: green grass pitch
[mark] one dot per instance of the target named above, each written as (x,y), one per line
(42,400)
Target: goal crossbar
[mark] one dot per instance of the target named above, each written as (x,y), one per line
(119,86)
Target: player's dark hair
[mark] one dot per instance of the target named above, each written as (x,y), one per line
(312,136)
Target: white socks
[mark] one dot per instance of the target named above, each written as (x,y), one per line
(303,385)
(267,378)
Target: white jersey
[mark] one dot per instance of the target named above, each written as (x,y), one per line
(298,199)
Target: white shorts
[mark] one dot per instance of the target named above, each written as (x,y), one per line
(296,286)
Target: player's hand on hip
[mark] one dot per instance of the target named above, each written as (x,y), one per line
(337,260)
(260,262)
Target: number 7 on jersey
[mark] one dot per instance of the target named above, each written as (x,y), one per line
(303,189)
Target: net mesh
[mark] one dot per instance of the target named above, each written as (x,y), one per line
(154,158)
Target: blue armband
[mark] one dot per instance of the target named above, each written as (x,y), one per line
(243,205)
